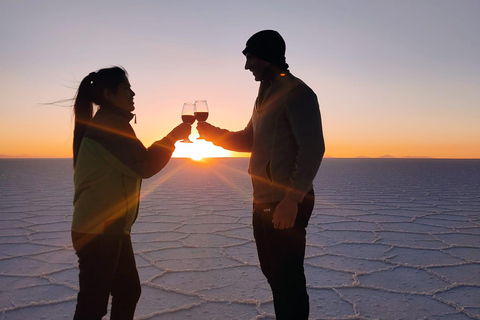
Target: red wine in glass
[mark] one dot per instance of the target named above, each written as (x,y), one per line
(201,112)
(189,119)
(188,116)
(201,116)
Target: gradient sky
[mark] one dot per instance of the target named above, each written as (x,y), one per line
(392,77)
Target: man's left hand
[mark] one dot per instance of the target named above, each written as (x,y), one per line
(285,214)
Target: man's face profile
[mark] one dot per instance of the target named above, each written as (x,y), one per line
(256,65)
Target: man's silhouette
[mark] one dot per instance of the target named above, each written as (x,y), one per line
(284,136)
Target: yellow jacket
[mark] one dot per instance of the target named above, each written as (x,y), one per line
(108,173)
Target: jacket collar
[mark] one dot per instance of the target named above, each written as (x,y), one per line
(271,73)
(124,114)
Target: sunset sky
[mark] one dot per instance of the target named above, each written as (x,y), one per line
(392,77)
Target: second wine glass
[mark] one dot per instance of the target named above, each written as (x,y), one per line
(201,112)
(188,116)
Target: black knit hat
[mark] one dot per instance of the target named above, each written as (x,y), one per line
(267,45)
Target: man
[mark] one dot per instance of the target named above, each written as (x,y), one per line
(284,136)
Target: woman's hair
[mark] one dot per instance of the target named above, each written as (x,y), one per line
(90,92)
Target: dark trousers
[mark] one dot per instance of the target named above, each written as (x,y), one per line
(107,266)
(281,254)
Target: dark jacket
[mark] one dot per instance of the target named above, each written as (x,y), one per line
(284,136)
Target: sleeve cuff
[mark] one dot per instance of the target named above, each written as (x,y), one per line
(296,194)
(166,143)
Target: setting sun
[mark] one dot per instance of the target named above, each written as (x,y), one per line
(199,150)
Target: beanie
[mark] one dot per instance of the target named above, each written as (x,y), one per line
(269,46)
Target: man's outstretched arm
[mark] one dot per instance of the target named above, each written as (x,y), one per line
(241,141)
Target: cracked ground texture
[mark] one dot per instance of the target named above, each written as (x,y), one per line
(388,239)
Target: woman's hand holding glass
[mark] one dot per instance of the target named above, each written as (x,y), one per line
(182,131)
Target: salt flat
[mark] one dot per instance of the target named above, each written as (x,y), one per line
(388,239)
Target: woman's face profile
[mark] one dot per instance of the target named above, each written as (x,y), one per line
(123,98)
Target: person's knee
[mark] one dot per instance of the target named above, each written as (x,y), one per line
(136,293)
(128,294)
(132,293)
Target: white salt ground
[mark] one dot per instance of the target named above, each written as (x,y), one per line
(388,239)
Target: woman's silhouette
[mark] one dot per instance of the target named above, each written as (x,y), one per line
(109,165)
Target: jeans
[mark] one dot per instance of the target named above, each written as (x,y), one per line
(281,254)
(107,266)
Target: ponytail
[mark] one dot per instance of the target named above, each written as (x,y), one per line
(90,92)
(83,109)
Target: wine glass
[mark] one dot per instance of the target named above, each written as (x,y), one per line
(201,112)
(188,116)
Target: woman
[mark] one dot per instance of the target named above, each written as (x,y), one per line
(109,165)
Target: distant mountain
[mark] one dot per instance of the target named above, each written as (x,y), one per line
(416,157)
(386,156)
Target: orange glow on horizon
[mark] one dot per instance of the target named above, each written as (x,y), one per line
(44,145)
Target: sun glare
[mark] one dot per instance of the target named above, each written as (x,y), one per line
(198,150)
